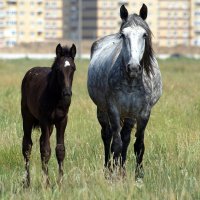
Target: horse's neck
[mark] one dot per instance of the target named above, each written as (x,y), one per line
(53,88)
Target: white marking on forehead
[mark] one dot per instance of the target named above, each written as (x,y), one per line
(134,30)
(136,43)
(67,64)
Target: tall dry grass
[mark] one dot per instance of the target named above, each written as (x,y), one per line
(172,139)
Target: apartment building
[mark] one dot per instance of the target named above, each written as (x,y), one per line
(195,22)
(102,17)
(173,22)
(2,23)
(97,18)
(53,19)
(30,21)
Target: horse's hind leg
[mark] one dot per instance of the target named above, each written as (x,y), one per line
(45,149)
(139,147)
(60,147)
(126,136)
(105,134)
(27,144)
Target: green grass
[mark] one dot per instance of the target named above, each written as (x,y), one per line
(172,140)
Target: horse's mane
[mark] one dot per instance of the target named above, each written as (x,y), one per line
(148,57)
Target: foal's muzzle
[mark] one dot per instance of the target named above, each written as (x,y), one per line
(133,71)
(66,92)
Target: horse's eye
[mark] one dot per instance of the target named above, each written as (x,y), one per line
(144,35)
(122,35)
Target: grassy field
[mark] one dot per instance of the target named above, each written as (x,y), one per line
(172,156)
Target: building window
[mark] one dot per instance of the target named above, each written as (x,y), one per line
(10,43)
(39,33)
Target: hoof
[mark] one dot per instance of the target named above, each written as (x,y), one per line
(60,181)
(46,181)
(107,173)
(25,184)
(123,172)
(26,180)
(139,173)
(116,147)
(139,183)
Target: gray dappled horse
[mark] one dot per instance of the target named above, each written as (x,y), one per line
(124,81)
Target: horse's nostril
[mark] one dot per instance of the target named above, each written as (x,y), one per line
(67,93)
(128,67)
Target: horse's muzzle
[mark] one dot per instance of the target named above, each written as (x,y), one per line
(133,72)
(66,92)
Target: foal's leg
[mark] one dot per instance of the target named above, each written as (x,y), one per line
(27,144)
(139,147)
(116,146)
(105,135)
(45,149)
(126,136)
(60,147)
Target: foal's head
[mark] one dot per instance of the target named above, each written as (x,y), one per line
(137,47)
(63,69)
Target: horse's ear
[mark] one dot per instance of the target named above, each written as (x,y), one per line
(58,50)
(73,51)
(123,13)
(143,12)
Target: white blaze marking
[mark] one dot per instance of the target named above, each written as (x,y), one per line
(67,64)
(137,43)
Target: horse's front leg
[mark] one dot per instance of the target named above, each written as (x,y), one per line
(116,146)
(60,147)
(128,125)
(106,135)
(45,149)
(139,147)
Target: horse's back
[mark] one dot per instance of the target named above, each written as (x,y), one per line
(33,85)
(34,78)
(104,46)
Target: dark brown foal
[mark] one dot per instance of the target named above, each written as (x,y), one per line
(46,97)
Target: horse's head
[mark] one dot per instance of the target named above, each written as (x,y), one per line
(136,48)
(64,68)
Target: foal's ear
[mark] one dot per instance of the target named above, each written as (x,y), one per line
(73,51)
(143,12)
(58,50)
(123,13)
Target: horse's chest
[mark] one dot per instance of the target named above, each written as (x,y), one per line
(131,104)
(59,113)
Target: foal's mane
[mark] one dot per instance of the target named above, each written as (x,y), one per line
(148,57)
